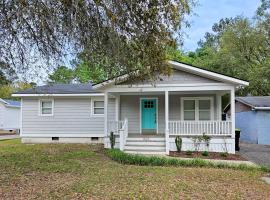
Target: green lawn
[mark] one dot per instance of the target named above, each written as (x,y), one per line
(83,172)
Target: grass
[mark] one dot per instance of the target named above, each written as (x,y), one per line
(59,171)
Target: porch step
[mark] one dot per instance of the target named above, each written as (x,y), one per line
(146,139)
(144,147)
(145,144)
(146,152)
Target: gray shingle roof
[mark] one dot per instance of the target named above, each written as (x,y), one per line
(60,89)
(255,101)
(12,102)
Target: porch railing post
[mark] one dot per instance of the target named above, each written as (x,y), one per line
(167,138)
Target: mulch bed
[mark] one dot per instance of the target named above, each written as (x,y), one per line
(211,155)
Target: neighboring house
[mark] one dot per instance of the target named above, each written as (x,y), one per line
(146,117)
(252,116)
(9,114)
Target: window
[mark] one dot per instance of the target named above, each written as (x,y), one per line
(189,109)
(98,107)
(149,104)
(197,108)
(46,107)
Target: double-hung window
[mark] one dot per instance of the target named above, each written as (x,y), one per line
(195,109)
(46,107)
(97,107)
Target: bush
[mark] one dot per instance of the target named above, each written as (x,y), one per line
(224,154)
(178,143)
(112,139)
(205,153)
(136,159)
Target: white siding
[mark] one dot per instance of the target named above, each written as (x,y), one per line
(72,118)
(12,118)
(9,117)
(2,110)
(177,77)
(130,108)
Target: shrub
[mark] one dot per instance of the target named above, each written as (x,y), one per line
(178,143)
(189,153)
(136,159)
(112,140)
(224,154)
(205,153)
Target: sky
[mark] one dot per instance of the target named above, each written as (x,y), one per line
(208,12)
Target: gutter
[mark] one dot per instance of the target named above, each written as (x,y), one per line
(59,95)
(261,108)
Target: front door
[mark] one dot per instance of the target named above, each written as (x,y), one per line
(149,115)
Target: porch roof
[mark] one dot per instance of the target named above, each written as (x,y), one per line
(183,67)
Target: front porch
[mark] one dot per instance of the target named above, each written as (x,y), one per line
(178,113)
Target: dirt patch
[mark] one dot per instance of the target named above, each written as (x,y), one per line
(211,155)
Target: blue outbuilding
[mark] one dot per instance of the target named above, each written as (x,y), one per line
(252,117)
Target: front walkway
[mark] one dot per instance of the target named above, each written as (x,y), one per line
(257,153)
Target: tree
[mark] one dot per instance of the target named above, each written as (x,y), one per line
(124,35)
(240,47)
(7,74)
(6,91)
(62,75)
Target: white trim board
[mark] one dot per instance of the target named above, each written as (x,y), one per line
(208,74)
(186,68)
(58,95)
(156,98)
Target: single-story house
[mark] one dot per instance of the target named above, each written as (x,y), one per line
(252,117)
(10,112)
(145,116)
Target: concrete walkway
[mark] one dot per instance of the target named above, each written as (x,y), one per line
(257,153)
(8,137)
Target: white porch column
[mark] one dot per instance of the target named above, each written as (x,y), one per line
(167,122)
(233,111)
(106,100)
(117,107)
(219,106)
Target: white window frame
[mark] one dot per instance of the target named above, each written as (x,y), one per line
(92,107)
(40,109)
(196,99)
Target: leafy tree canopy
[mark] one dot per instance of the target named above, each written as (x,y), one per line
(239,47)
(62,75)
(123,35)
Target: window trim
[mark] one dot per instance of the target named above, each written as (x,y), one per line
(196,99)
(40,107)
(93,108)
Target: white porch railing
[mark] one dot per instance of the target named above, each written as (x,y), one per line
(119,128)
(192,128)
(115,126)
(123,134)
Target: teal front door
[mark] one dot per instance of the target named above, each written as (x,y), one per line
(149,115)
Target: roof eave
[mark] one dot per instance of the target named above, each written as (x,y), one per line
(58,95)
(209,74)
